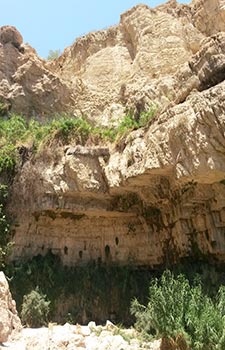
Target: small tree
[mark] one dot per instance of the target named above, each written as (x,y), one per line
(35,309)
(53,54)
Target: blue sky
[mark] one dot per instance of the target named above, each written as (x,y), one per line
(55,24)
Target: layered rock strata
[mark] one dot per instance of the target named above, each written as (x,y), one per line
(158,195)
(107,73)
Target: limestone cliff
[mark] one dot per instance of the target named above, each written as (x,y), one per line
(10,323)
(161,197)
(156,196)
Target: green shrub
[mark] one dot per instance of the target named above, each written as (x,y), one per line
(164,313)
(13,128)
(67,128)
(35,309)
(146,116)
(127,123)
(176,310)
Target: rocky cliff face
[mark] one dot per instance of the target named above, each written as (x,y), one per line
(161,197)
(158,195)
(27,86)
(106,73)
(9,321)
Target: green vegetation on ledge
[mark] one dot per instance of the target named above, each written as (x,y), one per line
(16,131)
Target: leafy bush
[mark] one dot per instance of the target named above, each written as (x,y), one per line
(35,309)
(178,311)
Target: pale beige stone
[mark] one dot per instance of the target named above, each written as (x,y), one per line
(209,15)
(105,73)
(9,320)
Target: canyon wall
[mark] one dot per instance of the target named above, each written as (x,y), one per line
(159,197)
(155,196)
(106,73)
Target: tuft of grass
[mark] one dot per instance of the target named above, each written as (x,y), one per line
(147,116)
(130,122)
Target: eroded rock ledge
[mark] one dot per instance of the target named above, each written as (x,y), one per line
(160,197)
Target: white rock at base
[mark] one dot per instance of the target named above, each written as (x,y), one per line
(92,325)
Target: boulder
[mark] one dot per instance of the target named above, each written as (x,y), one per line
(9,34)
